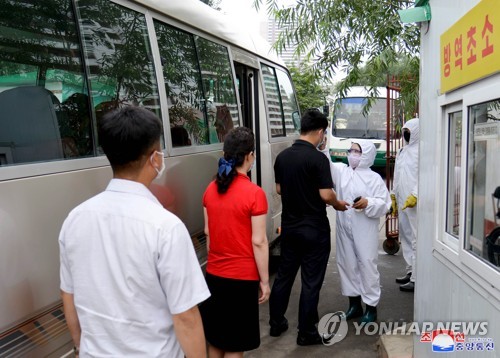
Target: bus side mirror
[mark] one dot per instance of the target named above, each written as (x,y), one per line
(326,110)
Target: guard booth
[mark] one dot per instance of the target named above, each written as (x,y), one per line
(458,273)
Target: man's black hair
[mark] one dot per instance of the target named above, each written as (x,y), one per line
(127,134)
(312,120)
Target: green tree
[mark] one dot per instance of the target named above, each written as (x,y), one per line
(349,35)
(309,91)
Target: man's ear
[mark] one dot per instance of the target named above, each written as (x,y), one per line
(152,160)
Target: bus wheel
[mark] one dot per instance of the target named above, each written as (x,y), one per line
(391,246)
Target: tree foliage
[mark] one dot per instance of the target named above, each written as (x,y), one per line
(348,35)
(308,90)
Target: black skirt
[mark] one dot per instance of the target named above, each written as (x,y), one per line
(231,314)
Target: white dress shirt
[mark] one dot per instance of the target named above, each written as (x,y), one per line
(131,265)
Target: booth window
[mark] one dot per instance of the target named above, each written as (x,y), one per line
(454,170)
(483,179)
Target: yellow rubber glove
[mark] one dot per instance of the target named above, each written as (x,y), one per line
(410,202)
(394,205)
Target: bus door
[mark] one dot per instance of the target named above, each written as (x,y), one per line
(246,80)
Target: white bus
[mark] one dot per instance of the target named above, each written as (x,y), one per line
(63,64)
(349,122)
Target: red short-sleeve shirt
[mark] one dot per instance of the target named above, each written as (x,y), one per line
(230,228)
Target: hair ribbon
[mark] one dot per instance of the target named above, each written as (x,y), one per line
(225,166)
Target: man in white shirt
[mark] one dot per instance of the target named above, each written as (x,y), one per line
(130,279)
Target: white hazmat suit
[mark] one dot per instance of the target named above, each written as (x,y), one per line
(357,230)
(406,184)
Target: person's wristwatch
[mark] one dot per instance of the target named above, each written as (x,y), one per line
(76,351)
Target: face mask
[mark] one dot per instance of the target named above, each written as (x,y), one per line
(322,142)
(353,160)
(162,169)
(254,161)
(406,136)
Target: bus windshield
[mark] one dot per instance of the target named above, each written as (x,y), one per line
(350,122)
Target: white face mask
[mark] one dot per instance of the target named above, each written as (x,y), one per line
(323,141)
(353,160)
(252,166)
(162,169)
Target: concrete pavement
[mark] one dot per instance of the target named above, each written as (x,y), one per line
(395,306)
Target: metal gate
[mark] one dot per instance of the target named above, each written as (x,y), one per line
(395,121)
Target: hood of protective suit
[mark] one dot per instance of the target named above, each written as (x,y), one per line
(413,126)
(405,180)
(368,153)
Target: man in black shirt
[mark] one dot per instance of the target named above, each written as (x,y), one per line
(303,179)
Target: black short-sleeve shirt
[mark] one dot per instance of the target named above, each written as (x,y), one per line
(301,171)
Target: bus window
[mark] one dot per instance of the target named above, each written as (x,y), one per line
(273,100)
(350,122)
(182,85)
(37,136)
(218,84)
(119,58)
(41,74)
(282,108)
(289,103)
(483,182)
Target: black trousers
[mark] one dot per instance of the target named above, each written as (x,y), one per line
(306,248)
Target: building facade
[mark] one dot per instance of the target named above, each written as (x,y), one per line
(457,266)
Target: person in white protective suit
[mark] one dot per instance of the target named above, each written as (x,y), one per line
(358,228)
(405,191)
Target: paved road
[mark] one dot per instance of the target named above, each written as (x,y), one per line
(394,306)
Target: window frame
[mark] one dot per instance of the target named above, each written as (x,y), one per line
(447,249)
(481,95)
(147,17)
(98,159)
(193,149)
(59,79)
(286,73)
(272,138)
(452,239)
(448,241)
(282,137)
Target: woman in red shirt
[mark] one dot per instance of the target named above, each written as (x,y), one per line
(237,268)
